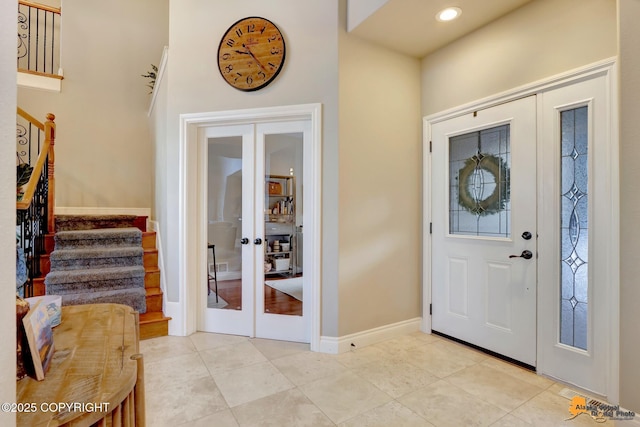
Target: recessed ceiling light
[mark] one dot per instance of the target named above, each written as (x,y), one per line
(449,14)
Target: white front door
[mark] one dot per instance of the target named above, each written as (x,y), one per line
(484,233)
(255,211)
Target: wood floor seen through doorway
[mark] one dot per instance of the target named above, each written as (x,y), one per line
(274,301)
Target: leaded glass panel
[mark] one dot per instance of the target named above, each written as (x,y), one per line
(574,228)
(479,187)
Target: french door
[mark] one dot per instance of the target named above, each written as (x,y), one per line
(484,229)
(255,283)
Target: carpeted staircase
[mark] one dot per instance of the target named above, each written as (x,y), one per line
(98,266)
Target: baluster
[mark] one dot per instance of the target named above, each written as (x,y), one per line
(50,134)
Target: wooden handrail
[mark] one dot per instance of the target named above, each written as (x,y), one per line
(28,117)
(40,6)
(47,154)
(30,187)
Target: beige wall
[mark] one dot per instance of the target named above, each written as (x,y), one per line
(629,38)
(541,39)
(195,85)
(380,201)
(7,207)
(103,144)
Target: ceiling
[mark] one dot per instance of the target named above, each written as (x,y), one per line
(410,27)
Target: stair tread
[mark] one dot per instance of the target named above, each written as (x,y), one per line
(153,316)
(153,291)
(98,271)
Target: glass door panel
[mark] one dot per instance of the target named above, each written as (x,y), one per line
(479,186)
(227,287)
(283,166)
(224,223)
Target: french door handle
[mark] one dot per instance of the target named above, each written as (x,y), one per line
(244,241)
(526,254)
(258,241)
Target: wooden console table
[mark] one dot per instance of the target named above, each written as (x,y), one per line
(96,376)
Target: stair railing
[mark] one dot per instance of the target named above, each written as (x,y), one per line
(35,199)
(38,39)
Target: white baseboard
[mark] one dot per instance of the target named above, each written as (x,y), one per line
(337,345)
(72,210)
(176,324)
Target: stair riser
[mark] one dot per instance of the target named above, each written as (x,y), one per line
(152,279)
(94,286)
(49,243)
(150,259)
(155,329)
(154,303)
(84,263)
(39,288)
(97,243)
(91,275)
(45,264)
(149,240)
(130,297)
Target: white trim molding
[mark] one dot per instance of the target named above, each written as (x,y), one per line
(343,344)
(159,76)
(34,81)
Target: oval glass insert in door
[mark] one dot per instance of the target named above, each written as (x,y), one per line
(283,224)
(224,226)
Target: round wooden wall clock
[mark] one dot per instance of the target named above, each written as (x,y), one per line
(251,53)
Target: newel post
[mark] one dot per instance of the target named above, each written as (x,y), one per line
(50,135)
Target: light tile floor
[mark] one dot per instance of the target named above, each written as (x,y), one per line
(415,380)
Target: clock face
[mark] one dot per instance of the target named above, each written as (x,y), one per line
(251,53)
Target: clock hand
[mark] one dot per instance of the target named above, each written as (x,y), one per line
(242,52)
(254,57)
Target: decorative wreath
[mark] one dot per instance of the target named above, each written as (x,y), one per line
(500,195)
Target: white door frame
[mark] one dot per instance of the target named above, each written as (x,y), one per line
(608,69)
(192,260)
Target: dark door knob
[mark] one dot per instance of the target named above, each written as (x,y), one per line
(526,254)
(244,241)
(258,241)
(526,235)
